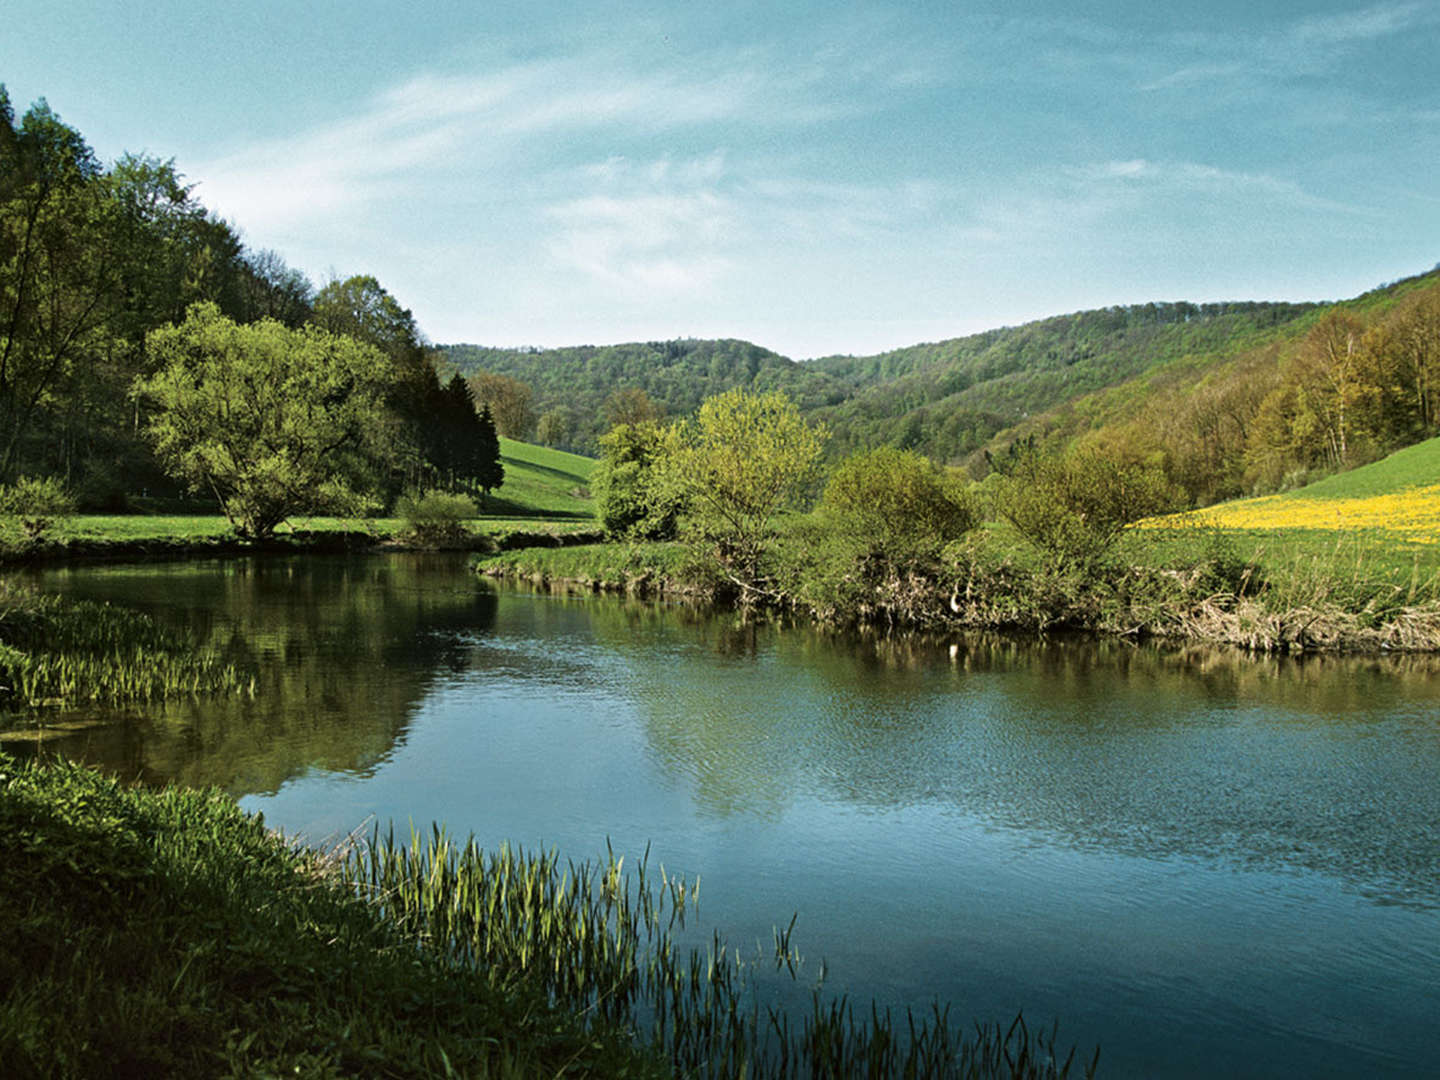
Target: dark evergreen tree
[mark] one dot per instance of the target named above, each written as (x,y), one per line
(487,469)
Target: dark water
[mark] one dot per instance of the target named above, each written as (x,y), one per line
(1205,863)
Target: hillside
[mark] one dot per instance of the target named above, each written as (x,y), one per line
(542,482)
(1225,395)
(1398,496)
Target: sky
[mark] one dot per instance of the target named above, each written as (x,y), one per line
(816,178)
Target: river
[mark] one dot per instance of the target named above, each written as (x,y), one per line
(1204,862)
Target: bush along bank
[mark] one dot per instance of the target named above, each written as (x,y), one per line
(167,933)
(1197,588)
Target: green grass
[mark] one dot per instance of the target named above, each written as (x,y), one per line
(166,933)
(169,934)
(541,482)
(59,652)
(610,566)
(1415,466)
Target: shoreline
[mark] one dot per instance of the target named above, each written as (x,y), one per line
(1231,620)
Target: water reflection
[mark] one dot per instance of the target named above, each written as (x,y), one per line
(1206,861)
(1326,764)
(342,650)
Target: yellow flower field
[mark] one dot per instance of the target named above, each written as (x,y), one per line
(1412,515)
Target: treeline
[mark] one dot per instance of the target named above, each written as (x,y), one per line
(96,259)
(571,391)
(946,399)
(949,399)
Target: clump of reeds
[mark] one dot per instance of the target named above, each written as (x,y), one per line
(54,651)
(599,941)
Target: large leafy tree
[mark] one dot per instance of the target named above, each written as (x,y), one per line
(59,267)
(744,459)
(272,421)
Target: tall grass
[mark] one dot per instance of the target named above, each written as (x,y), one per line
(599,941)
(54,651)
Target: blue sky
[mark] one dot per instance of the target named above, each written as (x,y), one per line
(817,178)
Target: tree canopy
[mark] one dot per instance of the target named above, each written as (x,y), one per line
(272,421)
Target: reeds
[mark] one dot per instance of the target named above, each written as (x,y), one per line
(56,652)
(600,941)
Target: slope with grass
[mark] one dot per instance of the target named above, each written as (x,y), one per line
(542,483)
(1397,497)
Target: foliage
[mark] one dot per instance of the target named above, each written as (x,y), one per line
(897,504)
(1073,508)
(509,402)
(273,421)
(31,508)
(58,652)
(168,933)
(92,259)
(872,548)
(556,427)
(633,497)
(744,458)
(631,405)
(436,518)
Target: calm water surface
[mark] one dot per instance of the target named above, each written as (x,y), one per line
(1202,862)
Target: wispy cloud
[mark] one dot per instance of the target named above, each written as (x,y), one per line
(1308,46)
(1182,178)
(660,228)
(434,124)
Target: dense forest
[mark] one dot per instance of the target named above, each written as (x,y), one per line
(96,260)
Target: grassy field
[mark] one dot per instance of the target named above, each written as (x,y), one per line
(1352,535)
(541,482)
(541,486)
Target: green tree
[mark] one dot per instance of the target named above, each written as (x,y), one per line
(1073,508)
(897,507)
(744,459)
(60,271)
(272,421)
(508,400)
(487,468)
(631,496)
(631,405)
(556,427)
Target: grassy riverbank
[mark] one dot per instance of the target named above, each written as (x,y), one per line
(166,933)
(1271,590)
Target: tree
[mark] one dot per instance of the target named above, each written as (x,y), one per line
(272,421)
(631,405)
(59,267)
(489,470)
(631,496)
(1073,508)
(745,458)
(509,402)
(556,427)
(897,507)
(467,448)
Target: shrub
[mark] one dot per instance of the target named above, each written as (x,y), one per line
(1074,508)
(631,497)
(435,517)
(31,508)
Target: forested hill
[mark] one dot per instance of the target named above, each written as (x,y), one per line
(946,398)
(677,375)
(950,398)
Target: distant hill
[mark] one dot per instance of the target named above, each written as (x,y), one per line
(1058,379)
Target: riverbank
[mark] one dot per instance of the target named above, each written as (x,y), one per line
(148,539)
(167,933)
(1176,584)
